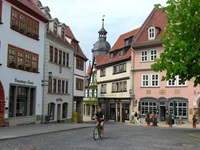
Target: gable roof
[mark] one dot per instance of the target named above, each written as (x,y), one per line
(78,51)
(89,70)
(156,18)
(119,44)
(120,41)
(98,59)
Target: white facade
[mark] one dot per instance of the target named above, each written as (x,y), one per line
(16,77)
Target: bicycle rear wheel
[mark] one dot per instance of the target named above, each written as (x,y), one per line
(95,133)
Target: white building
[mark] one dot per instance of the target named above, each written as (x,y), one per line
(58,72)
(22,29)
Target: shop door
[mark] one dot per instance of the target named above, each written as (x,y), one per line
(58,112)
(118,114)
(162,113)
(123,114)
(2,105)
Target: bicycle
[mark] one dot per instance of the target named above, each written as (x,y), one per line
(97,131)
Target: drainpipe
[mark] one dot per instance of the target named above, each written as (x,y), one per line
(73,87)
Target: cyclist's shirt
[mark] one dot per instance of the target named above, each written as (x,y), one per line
(99,115)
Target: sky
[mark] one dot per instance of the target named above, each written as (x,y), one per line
(85,17)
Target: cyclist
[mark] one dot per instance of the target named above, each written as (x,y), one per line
(100,118)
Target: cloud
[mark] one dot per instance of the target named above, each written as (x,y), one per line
(84,17)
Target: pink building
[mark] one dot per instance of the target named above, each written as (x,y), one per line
(152,94)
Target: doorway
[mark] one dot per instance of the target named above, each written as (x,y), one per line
(58,112)
(2,105)
(162,113)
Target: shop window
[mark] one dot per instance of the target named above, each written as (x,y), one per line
(148,106)
(51,111)
(65,110)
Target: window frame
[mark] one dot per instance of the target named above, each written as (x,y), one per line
(79,64)
(102,72)
(119,68)
(176,82)
(79,84)
(151,33)
(144,57)
(154,55)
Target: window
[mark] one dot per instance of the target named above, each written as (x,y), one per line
(51,111)
(22,59)
(111,55)
(14,18)
(24,24)
(51,53)
(180,109)
(63,86)
(103,89)
(56,55)
(148,106)
(150,80)
(60,57)
(119,68)
(119,86)
(79,64)
(0,11)
(144,55)
(55,28)
(79,84)
(64,57)
(65,110)
(29,25)
(59,86)
(176,82)
(102,72)
(35,28)
(121,53)
(66,87)
(151,33)
(153,55)
(67,60)
(62,33)
(154,81)
(54,85)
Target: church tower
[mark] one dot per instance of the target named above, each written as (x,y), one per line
(101,47)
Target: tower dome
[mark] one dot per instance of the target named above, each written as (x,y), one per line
(101,47)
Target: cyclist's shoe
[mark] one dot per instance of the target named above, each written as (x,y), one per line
(102,131)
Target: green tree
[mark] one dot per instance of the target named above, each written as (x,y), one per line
(181,38)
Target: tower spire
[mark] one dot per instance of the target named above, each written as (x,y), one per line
(103,21)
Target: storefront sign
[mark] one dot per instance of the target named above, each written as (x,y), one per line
(23,81)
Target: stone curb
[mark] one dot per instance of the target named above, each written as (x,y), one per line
(29,135)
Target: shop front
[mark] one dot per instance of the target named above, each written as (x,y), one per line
(22,104)
(176,106)
(116,109)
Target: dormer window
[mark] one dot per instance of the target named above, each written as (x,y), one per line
(121,53)
(62,32)
(55,28)
(111,55)
(151,33)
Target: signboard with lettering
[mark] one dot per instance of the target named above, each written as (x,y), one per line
(23,81)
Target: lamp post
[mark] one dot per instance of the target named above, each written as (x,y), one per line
(49,84)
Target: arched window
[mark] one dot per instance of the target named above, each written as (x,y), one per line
(51,111)
(64,110)
(151,33)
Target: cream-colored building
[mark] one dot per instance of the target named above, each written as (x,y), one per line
(114,79)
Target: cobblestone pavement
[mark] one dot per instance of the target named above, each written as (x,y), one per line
(117,136)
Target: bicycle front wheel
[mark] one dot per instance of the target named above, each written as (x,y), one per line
(95,133)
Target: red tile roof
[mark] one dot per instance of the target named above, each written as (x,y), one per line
(119,44)
(157,18)
(89,70)
(31,4)
(120,41)
(69,33)
(98,59)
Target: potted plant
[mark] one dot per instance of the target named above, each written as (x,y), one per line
(147,119)
(20,66)
(12,64)
(35,69)
(169,121)
(194,121)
